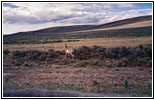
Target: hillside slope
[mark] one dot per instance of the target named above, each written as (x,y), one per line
(139,26)
(125,22)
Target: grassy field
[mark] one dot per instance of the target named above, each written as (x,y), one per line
(107,42)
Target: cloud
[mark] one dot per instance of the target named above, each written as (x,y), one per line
(32,16)
(126,5)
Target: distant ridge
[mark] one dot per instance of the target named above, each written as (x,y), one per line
(74,28)
(132,27)
(58,29)
(125,21)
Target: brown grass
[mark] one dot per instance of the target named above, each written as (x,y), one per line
(107,42)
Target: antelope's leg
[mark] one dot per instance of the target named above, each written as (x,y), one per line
(66,56)
(72,55)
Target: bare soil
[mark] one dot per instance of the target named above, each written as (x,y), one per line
(35,92)
(63,77)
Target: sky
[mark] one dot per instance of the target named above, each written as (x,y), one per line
(28,16)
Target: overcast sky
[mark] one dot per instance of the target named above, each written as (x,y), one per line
(27,16)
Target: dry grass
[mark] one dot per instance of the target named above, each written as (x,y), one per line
(107,42)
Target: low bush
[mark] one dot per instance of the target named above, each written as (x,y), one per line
(145,61)
(122,62)
(95,62)
(139,55)
(34,54)
(82,53)
(18,62)
(18,54)
(73,40)
(51,54)
(83,63)
(6,52)
(95,55)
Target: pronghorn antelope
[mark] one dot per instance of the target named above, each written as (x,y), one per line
(69,52)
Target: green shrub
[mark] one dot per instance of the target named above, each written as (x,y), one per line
(83,63)
(6,52)
(42,57)
(145,61)
(135,62)
(108,65)
(33,54)
(124,61)
(18,62)
(95,83)
(65,62)
(82,53)
(95,62)
(18,54)
(53,54)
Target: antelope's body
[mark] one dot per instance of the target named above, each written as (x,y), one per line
(69,52)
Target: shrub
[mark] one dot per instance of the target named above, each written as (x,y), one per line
(117,52)
(95,83)
(83,63)
(148,50)
(36,55)
(42,57)
(52,54)
(95,62)
(139,52)
(122,62)
(145,61)
(125,61)
(18,62)
(82,53)
(33,54)
(112,52)
(27,64)
(6,52)
(18,54)
(65,62)
(94,47)
(108,64)
(51,50)
(135,62)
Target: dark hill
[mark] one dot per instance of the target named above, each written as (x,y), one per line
(60,29)
(85,31)
(125,21)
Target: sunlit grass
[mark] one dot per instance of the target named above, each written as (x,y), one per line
(106,42)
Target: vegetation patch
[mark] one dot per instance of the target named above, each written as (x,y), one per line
(90,56)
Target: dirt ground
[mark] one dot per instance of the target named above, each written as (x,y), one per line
(35,92)
(53,77)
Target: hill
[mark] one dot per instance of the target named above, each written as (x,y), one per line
(126,22)
(138,26)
